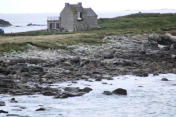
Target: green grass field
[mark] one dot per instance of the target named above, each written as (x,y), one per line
(131,24)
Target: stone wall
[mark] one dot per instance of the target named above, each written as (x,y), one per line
(88,22)
(80,24)
(92,22)
(66,19)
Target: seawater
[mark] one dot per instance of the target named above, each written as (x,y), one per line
(20,21)
(147,97)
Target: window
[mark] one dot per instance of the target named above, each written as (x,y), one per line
(57,25)
(79,16)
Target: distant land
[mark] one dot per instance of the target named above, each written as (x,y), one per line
(128,12)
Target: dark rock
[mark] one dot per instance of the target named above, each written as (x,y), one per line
(141,73)
(167,39)
(4,23)
(48,91)
(13,115)
(74,82)
(36,69)
(164,79)
(140,86)
(4,70)
(2,111)
(75,60)
(86,90)
(16,61)
(40,109)
(109,54)
(152,40)
(13,100)
(72,89)
(69,94)
(104,83)
(7,84)
(109,78)
(21,67)
(120,91)
(107,93)
(76,89)
(73,92)
(2,103)
(31,24)
(98,79)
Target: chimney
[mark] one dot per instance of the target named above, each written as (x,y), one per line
(66,4)
(80,3)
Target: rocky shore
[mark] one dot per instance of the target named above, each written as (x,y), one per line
(31,72)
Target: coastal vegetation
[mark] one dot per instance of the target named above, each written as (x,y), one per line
(127,25)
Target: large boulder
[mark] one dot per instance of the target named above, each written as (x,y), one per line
(69,94)
(108,54)
(40,109)
(164,79)
(2,111)
(73,92)
(166,39)
(120,91)
(153,39)
(2,103)
(4,23)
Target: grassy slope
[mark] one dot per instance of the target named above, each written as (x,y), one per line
(140,23)
(132,24)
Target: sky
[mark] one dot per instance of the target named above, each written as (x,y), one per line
(55,6)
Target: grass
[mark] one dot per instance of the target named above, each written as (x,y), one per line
(9,47)
(139,23)
(36,33)
(131,24)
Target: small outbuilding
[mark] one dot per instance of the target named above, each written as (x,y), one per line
(73,18)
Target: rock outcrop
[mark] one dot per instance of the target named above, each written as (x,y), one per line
(166,40)
(131,54)
(118,91)
(31,24)
(2,103)
(164,79)
(4,23)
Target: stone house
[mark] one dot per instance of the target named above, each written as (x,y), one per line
(73,18)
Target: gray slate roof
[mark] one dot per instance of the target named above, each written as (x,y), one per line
(76,8)
(90,12)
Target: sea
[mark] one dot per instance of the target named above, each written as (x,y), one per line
(20,21)
(147,97)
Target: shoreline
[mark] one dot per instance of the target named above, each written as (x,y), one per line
(121,55)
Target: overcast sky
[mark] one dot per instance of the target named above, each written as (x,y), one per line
(54,6)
